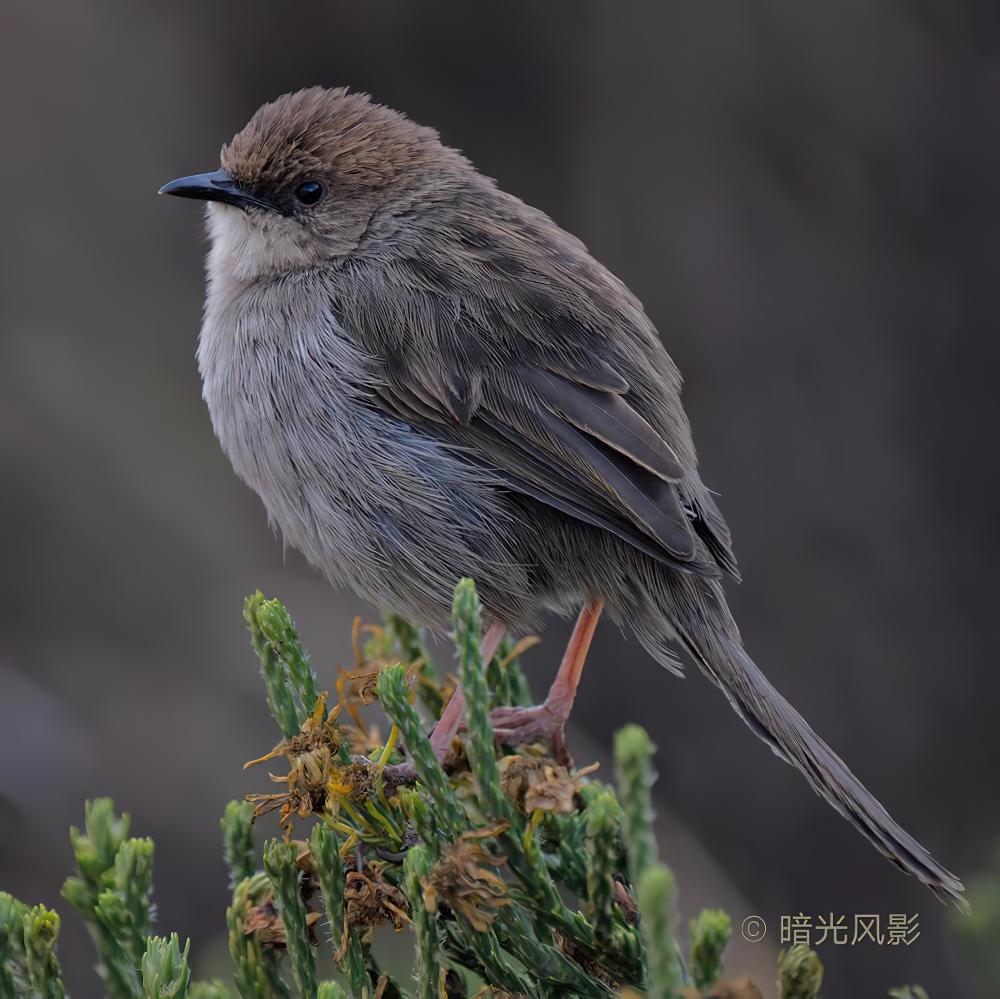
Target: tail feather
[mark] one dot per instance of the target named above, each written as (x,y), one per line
(724,661)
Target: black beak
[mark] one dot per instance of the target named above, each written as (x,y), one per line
(218,186)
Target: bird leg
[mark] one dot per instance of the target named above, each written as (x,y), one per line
(450,721)
(518,726)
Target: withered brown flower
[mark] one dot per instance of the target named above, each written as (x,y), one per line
(310,755)
(538,782)
(462,879)
(356,688)
(267,925)
(356,781)
(370,900)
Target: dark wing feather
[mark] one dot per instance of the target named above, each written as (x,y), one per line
(529,385)
(590,371)
(529,471)
(579,450)
(628,486)
(608,418)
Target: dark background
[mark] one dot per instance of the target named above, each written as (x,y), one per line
(805,198)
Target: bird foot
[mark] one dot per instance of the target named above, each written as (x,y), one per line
(520,726)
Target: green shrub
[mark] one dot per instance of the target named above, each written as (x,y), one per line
(513,874)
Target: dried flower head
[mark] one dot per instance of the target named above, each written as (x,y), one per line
(370,900)
(310,755)
(356,688)
(266,924)
(462,879)
(538,782)
(355,781)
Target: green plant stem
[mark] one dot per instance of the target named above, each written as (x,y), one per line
(283,872)
(710,934)
(800,973)
(412,648)
(602,830)
(277,682)
(237,840)
(95,850)
(165,973)
(40,933)
(633,755)
(324,846)
(255,969)
(393,695)
(416,865)
(656,902)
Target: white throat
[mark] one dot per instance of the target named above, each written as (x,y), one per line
(248,247)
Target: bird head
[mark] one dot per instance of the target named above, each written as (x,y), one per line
(308,175)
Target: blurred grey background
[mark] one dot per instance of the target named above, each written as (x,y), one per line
(805,198)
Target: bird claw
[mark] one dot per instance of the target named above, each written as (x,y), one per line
(521,726)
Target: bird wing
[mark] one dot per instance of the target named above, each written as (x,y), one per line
(516,370)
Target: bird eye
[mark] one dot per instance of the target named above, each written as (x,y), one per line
(309,193)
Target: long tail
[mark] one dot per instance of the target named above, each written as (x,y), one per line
(705,628)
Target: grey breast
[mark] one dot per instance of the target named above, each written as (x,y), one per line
(370,502)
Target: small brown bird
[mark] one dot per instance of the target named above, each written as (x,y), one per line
(423,379)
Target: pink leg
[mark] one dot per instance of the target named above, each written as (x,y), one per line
(519,726)
(451,718)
